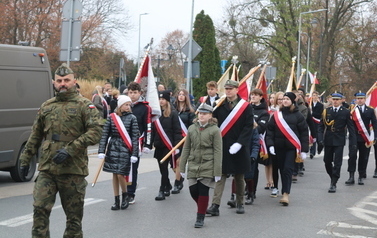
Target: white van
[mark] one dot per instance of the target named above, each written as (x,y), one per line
(25,80)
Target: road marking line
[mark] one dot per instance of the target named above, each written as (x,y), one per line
(22,220)
(337,234)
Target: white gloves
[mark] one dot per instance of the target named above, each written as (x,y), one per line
(217,178)
(146,150)
(177,151)
(272,150)
(235,148)
(101,156)
(303,155)
(183,175)
(134,159)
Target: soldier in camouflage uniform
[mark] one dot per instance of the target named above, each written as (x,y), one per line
(65,126)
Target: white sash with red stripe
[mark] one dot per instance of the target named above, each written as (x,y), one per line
(165,138)
(287,131)
(263,147)
(126,139)
(104,102)
(183,127)
(233,116)
(122,130)
(316,120)
(362,129)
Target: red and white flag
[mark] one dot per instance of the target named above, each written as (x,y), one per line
(371,99)
(146,80)
(245,87)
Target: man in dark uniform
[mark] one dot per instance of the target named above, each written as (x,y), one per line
(317,109)
(332,136)
(67,124)
(362,116)
(235,119)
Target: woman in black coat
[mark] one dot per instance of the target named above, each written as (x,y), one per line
(281,146)
(118,156)
(168,123)
(187,115)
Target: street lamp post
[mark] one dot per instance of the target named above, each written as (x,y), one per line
(307,63)
(299,37)
(171,52)
(138,49)
(314,23)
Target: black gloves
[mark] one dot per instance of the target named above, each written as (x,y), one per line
(61,155)
(24,170)
(253,160)
(320,147)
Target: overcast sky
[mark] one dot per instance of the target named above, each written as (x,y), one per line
(165,16)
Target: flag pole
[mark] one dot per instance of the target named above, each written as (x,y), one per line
(258,85)
(172,150)
(371,88)
(145,56)
(299,81)
(291,77)
(251,72)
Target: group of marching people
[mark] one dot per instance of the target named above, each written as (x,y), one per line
(229,136)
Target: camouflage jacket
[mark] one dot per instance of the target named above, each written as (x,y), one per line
(66,121)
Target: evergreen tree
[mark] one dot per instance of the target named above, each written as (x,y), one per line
(209,57)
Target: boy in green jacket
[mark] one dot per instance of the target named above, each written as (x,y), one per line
(202,152)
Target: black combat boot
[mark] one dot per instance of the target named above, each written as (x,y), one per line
(232,201)
(213,210)
(199,220)
(116,205)
(361,180)
(249,199)
(160,196)
(332,188)
(351,179)
(180,185)
(176,190)
(240,209)
(125,201)
(167,190)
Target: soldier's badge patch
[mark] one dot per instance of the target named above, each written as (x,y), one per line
(92,106)
(72,111)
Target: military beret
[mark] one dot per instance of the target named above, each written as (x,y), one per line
(205,108)
(63,70)
(231,83)
(360,95)
(336,96)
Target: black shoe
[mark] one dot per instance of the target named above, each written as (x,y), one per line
(240,209)
(332,188)
(351,179)
(213,210)
(160,196)
(311,155)
(375,174)
(199,220)
(232,202)
(180,185)
(116,205)
(167,190)
(175,188)
(361,181)
(249,200)
(125,201)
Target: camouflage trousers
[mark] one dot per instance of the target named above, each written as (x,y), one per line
(71,190)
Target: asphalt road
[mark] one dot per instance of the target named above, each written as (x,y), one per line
(313,212)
